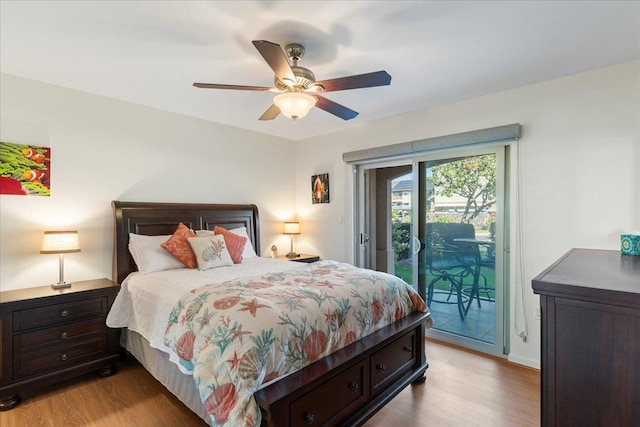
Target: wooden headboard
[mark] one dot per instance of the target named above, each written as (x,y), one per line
(163,218)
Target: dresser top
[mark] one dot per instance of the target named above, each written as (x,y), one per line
(589,271)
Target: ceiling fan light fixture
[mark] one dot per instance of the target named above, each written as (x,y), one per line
(294,104)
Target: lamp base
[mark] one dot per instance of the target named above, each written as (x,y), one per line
(61,285)
(292,255)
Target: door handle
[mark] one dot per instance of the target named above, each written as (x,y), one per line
(417,245)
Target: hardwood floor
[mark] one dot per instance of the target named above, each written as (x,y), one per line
(466,388)
(463,388)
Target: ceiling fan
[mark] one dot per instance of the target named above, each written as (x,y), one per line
(297,86)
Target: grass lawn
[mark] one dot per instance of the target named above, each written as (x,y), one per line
(403,271)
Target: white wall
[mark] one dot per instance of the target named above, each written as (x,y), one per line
(103,150)
(580,149)
(580,168)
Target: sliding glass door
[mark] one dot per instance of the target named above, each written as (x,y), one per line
(438,222)
(459,223)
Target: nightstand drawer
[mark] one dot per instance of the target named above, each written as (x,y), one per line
(58,335)
(60,357)
(57,313)
(392,361)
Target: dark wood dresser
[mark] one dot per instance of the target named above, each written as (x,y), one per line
(590,339)
(51,335)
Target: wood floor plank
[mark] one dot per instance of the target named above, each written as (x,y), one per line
(463,388)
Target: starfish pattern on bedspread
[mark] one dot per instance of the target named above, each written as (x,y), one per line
(237,335)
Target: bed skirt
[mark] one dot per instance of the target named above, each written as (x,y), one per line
(157,364)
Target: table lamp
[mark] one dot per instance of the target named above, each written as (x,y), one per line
(292,228)
(60,242)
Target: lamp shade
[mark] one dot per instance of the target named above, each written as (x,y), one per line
(291,228)
(60,242)
(294,104)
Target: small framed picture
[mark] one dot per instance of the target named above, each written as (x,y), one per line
(320,188)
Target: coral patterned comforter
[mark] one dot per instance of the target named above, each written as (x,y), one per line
(237,335)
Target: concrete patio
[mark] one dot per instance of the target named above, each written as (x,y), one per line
(479,323)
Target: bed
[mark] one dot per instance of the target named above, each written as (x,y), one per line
(345,387)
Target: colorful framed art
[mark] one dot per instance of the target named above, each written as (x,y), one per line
(25,169)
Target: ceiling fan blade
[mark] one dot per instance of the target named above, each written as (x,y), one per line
(271,113)
(275,57)
(377,78)
(235,87)
(335,108)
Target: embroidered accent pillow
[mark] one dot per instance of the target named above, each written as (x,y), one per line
(235,243)
(210,252)
(179,247)
(248,252)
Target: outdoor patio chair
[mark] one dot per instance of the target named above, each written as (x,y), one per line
(448,262)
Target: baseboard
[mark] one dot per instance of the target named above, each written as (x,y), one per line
(523,361)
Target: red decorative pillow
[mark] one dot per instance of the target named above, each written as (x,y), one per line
(179,247)
(235,244)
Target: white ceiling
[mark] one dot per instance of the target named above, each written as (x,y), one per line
(437,52)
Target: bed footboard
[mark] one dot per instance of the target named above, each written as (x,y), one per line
(349,386)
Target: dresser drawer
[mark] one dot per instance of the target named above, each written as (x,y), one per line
(57,313)
(60,335)
(60,357)
(326,404)
(392,361)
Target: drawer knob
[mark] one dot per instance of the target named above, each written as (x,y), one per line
(64,356)
(354,386)
(64,313)
(380,367)
(407,348)
(308,417)
(64,335)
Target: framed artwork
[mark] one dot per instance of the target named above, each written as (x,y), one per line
(320,188)
(25,170)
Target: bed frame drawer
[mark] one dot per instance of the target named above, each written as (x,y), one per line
(327,404)
(392,361)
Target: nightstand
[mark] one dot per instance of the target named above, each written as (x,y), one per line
(301,258)
(51,335)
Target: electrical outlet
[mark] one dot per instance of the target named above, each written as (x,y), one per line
(537,312)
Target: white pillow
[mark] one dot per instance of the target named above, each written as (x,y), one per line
(211,251)
(149,255)
(248,251)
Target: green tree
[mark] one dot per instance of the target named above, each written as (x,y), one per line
(400,235)
(473,178)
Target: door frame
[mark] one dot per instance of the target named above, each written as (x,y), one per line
(363,215)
